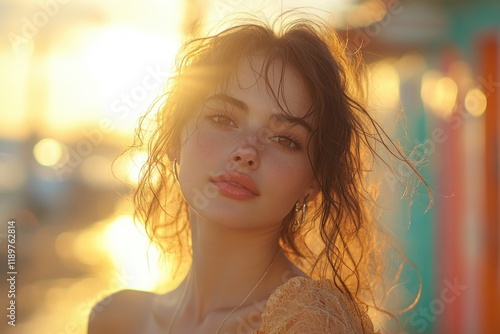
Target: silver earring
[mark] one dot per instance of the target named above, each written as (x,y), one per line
(174,170)
(300,213)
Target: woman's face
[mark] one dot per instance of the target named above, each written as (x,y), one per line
(244,161)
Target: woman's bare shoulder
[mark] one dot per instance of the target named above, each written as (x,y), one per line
(124,312)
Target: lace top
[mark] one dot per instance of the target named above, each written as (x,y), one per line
(306,306)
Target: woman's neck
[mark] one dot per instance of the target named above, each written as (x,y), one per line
(228,263)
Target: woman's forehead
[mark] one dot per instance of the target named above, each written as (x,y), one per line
(281,82)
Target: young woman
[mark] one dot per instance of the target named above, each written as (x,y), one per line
(256,174)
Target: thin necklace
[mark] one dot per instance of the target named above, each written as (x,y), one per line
(234,309)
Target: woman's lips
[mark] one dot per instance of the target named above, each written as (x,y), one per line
(235,185)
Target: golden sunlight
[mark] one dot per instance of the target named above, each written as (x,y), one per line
(135,164)
(111,75)
(13,85)
(133,255)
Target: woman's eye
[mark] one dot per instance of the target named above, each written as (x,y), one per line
(284,141)
(222,120)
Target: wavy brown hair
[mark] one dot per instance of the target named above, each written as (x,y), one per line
(340,239)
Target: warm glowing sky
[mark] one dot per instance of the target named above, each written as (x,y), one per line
(96,60)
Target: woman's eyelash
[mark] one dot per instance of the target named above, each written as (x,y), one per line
(293,144)
(221,119)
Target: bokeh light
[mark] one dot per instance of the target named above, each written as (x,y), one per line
(439,93)
(475,102)
(367,13)
(49,152)
(384,86)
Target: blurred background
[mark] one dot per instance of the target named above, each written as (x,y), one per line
(76,75)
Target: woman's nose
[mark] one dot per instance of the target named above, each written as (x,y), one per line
(245,156)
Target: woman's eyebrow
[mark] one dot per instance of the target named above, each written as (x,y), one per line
(281,118)
(292,120)
(229,99)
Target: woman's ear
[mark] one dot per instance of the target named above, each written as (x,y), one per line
(312,190)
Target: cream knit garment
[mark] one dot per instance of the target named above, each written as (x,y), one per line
(306,306)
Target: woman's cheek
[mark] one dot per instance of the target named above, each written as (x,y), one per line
(209,144)
(285,163)
(206,144)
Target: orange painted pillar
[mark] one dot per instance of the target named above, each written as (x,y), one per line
(489,59)
(450,218)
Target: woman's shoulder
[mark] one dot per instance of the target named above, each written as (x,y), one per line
(304,305)
(125,311)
